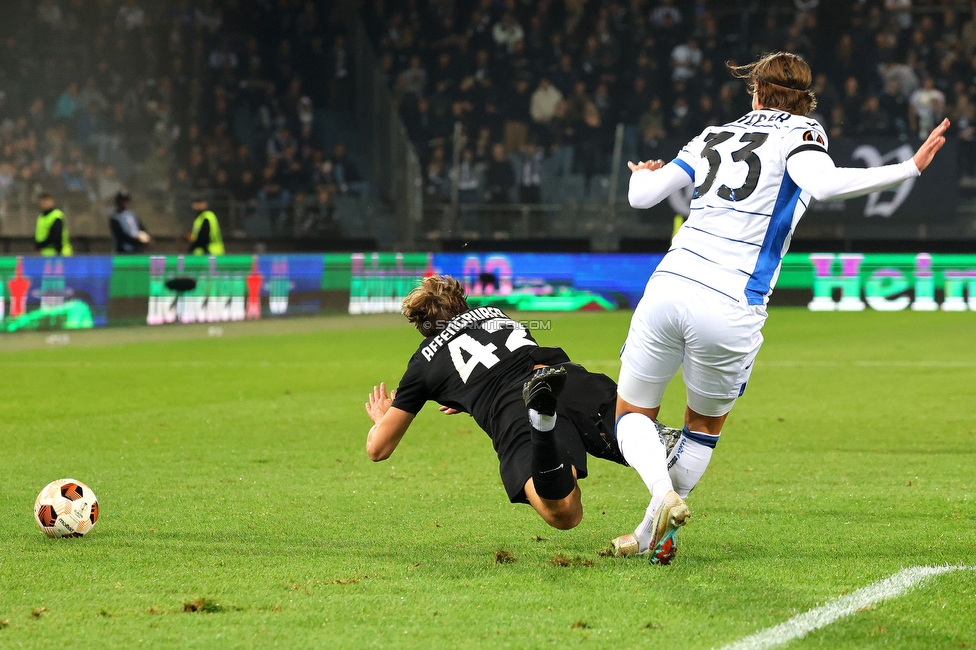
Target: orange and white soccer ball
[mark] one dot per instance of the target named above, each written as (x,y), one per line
(66,508)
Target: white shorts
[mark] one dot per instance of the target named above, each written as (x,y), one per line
(679,322)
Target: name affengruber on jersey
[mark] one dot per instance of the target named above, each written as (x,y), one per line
(489,319)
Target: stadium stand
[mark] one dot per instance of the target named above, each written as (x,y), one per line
(269,106)
(249,102)
(563,74)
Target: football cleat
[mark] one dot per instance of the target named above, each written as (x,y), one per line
(625,546)
(542,391)
(671,515)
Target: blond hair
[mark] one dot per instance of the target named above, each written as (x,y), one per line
(779,80)
(437,300)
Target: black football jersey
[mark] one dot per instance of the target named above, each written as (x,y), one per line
(479,355)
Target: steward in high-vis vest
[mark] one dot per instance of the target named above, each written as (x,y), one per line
(205,238)
(51,235)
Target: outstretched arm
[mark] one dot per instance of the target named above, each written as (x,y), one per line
(653,181)
(389,423)
(814,171)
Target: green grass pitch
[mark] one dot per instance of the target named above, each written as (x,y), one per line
(233,469)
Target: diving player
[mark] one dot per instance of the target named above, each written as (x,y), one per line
(705,305)
(543,413)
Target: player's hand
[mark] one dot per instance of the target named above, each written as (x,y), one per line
(143,237)
(652,165)
(379,402)
(923,157)
(447,410)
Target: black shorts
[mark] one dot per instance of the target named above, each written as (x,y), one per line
(584,425)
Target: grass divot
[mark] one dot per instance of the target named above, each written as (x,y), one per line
(202,605)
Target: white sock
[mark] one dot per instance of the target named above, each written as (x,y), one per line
(641,447)
(541,422)
(689,459)
(645,529)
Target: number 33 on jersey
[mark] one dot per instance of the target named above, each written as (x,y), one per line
(738,158)
(745,204)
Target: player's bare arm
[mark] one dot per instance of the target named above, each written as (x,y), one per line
(923,157)
(651,165)
(389,423)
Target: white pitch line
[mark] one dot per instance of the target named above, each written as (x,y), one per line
(869,364)
(801,625)
(604,363)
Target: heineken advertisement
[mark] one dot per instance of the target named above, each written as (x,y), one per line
(853,282)
(44,293)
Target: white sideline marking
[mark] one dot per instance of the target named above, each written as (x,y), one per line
(870,364)
(801,625)
(604,363)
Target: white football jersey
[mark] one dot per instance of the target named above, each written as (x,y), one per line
(745,204)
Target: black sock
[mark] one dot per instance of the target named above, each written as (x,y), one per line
(552,471)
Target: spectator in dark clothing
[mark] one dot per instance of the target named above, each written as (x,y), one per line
(874,121)
(294,176)
(893,103)
(272,196)
(128,233)
(633,105)
(241,163)
(530,174)
(853,99)
(340,87)
(681,118)
(651,145)
(243,186)
(565,76)
(499,177)
(591,137)
(825,93)
(419,121)
(345,171)
(706,114)
(318,219)
(515,103)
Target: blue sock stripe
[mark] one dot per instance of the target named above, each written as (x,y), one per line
(617,421)
(621,417)
(706,439)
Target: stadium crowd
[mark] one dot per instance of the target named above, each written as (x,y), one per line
(263,135)
(239,99)
(539,87)
(172,97)
(84,93)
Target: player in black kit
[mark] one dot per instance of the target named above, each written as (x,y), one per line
(543,413)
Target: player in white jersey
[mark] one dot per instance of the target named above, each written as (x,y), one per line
(705,304)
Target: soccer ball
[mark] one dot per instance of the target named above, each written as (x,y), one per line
(66,508)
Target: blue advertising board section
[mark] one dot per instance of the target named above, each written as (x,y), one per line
(49,292)
(292,283)
(551,281)
(84,279)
